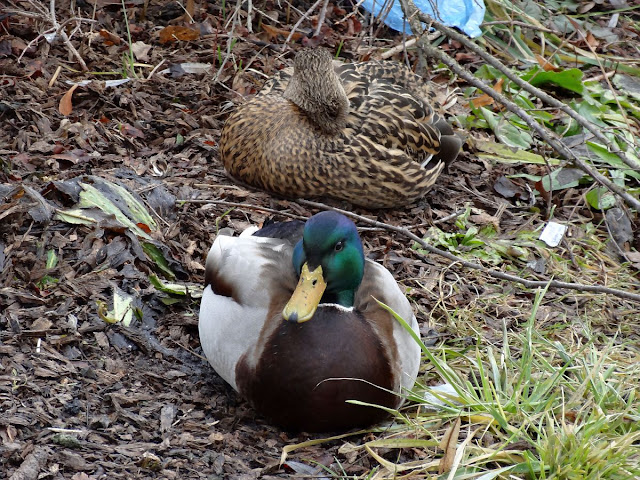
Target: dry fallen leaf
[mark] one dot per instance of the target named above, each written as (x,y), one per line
(485,100)
(80,476)
(66,107)
(273,32)
(509,189)
(483,218)
(172,33)
(130,131)
(449,444)
(191,8)
(546,65)
(109,38)
(591,40)
(141,51)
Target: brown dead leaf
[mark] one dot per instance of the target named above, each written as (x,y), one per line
(586,6)
(173,33)
(41,324)
(634,258)
(216,437)
(5,48)
(81,476)
(546,65)
(130,131)
(110,38)
(448,444)
(101,339)
(485,100)
(242,86)
(273,32)
(353,26)
(66,107)
(18,46)
(591,40)
(463,57)
(191,8)
(316,40)
(141,51)
(483,218)
(510,189)
(33,68)
(543,191)
(144,227)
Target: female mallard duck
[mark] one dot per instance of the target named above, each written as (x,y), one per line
(362,132)
(298,353)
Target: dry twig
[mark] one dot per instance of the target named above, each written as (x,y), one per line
(55,28)
(65,37)
(595,130)
(247,206)
(475,266)
(321,17)
(300,20)
(415,17)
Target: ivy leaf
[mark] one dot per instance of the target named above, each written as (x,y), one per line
(570,79)
(506,132)
(562,178)
(600,198)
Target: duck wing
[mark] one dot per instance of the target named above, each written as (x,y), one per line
(277,84)
(392,105)
(379,284)
(290,230)
(246,278)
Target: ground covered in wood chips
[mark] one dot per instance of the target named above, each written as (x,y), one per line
(81,397)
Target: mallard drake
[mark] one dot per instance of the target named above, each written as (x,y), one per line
(289,319)
(362,132)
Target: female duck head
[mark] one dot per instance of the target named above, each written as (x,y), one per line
(330,262)
(316,89)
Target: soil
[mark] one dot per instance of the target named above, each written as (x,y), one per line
(84,398)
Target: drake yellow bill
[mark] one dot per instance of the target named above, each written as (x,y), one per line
(306,297)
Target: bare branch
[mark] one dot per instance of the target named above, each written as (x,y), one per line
(475,266)
(541,94)
(321,17)
(65,37)
(412,13)
(295,27)
(245,205)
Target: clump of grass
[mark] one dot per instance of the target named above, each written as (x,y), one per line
(530,408)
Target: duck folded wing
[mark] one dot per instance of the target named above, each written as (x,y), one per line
(243,275)
(378,284)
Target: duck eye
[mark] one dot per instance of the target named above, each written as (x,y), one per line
(339,246)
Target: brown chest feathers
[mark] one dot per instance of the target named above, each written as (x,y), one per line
(308,371)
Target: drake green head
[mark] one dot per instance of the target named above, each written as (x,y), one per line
(329,261)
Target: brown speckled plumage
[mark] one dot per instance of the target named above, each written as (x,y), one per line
(359,132)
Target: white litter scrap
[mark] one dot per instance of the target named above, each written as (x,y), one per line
(434,396)
(107,83)
(553,233)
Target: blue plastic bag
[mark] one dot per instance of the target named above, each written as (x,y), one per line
(467,15)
